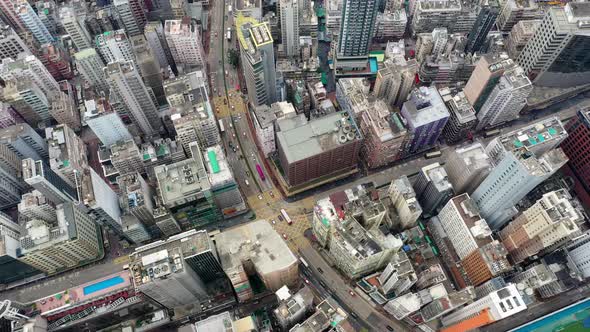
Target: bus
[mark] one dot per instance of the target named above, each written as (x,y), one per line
(286,216)
(260,172)
(303,262)
(491,133)
(221,128)
(434,154)
(228,34)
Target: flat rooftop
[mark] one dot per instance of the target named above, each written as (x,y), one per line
(535,135)
(424,106)
(217,166)
(469,213)
(317,136)
(183,179)
(474,156)
(256,241)
(216,323)
(438,175)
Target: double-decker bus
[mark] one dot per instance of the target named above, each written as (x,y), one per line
(286,216)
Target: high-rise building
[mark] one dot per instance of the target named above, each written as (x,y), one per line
(163,270)
(426,116)
(11,43)
(521,160)
(123,78)
(154,34)
(67,153)
(29,67)
(384,135)
(545,226)
(47,11)
(57,61)
(32,22)
(577,147)
(403,198)
(185,43)
(546,280)
(256,247)
(467,167)
(192,114)
(398,276)
(493,307)
(519,36)
(224,186)
(303,144)
(105,122)
(506,99)
(114,46)
(132,15)
(289,10)
(11,268)
(396,78)
(78,32)
(450,14)
(486,19)
(136,197)
(186,191)
(486,75)
(63,108)
(127,158)
(481,256)
(557,54)
(9,13)
(433,188)
(90,66)
(258,59)
(356,30)
(34,205)
(101,201)
(149,67)
(579,254)
(293,309)
(165,221)
(134,229)
(12,184)
(23,140)
(514,11)
(462,118)
(28,100)
(391,25)
(39,176)
(71,240)
(8,115)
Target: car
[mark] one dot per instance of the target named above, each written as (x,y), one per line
(234,135)
(284,236)
(247,173)
(244,134)
(320,270)
(306,281)
(252,154)
(280,217)
(232,107)
(323,284)
(354,315)
(273,222)
(215,34)
(271,194)
(389,328)
(260,197)
(351,292)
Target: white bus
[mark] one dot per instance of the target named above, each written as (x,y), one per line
(303,262)
(286,216)
(221,128)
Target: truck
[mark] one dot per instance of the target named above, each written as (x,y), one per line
(228,34)
(260,172)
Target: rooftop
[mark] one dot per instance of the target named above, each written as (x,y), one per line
(534,137)
(459,106)
(424,106)
(251,33)
(298,302)
(61,141)
(104,38)
(161,258)
(217,167)
(179,27)
(438,175)
(356,92)
(181,180)
(257,242)
(314,137)
(439,5)
(474,156)
(469,212)
(222,322)
(124,150)
(41,234)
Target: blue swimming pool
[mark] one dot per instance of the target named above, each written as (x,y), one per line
(547,322)
(373,64)
(103,285)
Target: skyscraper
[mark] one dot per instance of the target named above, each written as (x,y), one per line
(10,177)
(124,79)
(577,147)
(486,19)
(506,99)
(11,43)
(32,21)
(29,67)
(77,32)
(485,77)
(105,122)
(90,66)
(12,269)
(185,43)
(356,31)
(39,176)
(192,114)
(148,67)
(433,188)
(67,153)
(132,15)
(557,54)
(289,10)
(23,140)
(467,167)
(396,78)
(258,60)
(28,100)
(154,34)
(114,46)
(8,11)
(522,159)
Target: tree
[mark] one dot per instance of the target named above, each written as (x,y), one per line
(233,58)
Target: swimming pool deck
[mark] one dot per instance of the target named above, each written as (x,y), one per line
(75,295)
(571,314)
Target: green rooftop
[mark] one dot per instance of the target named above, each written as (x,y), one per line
(213,161)
(552,131)
(326,222)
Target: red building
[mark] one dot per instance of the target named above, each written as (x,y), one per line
(57,62)
(577,148)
